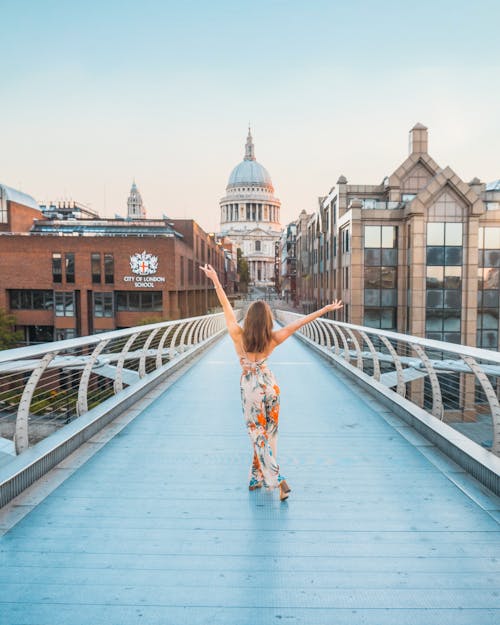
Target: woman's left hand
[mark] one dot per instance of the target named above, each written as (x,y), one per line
(335,305)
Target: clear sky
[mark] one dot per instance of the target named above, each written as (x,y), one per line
(97,93)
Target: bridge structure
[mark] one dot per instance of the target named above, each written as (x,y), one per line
(124,481)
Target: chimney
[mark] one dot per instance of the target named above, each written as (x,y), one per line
(418,139)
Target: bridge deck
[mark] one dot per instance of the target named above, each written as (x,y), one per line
(158,527)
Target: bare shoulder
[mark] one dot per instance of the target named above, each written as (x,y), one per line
(277,338)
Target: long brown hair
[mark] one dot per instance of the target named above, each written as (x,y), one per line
(257,327)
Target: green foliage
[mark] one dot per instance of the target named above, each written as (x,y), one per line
(149,319)
(242,268)
(8,337)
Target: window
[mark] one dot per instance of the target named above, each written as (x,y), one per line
(65,333)
(4,216)
(132,301)
(444,282)
(28,299)
(257,246)
(56,268)
(109,269)
(103,304)
(39,334)
(382,318)
(190,272)
(70,267)
(488,288)
(64,303)
(444,243)
(345,240)
(380,237)
(380,277)
(95,263)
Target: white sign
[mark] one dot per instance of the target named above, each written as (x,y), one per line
(144,266)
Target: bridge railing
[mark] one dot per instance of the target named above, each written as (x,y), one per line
(44,387)
(456,384)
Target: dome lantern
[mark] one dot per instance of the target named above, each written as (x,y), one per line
(249,147)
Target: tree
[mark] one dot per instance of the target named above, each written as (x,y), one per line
(242,269)
(8,336)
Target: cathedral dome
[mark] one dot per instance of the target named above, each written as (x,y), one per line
(249,172)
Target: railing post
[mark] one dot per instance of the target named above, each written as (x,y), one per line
(373,352)
(174,338)
(347,355)
(159,351)
(183,342)
(401,387)
(491,396)
(21,436)
(359,357)
(193,333)
(437,399)
(335,339)
(118,383)
(142,360)
(82,404)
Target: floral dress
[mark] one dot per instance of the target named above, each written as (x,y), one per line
(260,397)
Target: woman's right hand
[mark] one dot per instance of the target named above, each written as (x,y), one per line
(335,305)
(209,271)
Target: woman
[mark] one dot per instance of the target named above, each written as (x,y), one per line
(260,395)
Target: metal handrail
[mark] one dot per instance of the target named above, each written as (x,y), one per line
(43,387)
(463,382)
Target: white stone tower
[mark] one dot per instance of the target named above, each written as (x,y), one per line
(135,207)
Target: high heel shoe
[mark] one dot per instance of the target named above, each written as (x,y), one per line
(284,490)
(254,484)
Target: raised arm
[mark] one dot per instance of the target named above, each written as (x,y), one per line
(231,323)
(282,334)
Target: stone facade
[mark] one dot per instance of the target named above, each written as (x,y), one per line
(418,253)
(250,216)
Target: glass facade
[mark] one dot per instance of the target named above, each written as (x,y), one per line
(141,301)
(103,304)
(444,281)
(95,267)
(57,268)
(70,267)
(488,286)
(380,277)
(109,269)
(39,334)
(64,303)
(31,299)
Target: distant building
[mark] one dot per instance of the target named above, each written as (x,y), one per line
(135,207)
(288,263)
(65,272)
(418,253)
(250,216)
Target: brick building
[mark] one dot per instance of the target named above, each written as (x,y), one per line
(66,273)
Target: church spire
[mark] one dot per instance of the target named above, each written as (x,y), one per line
(135,207)
(249,147)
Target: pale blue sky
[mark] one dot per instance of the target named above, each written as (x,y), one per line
(94,94)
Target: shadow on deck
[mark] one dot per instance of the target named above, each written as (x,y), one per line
(158,527)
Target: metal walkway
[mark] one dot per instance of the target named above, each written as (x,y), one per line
(158,526)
